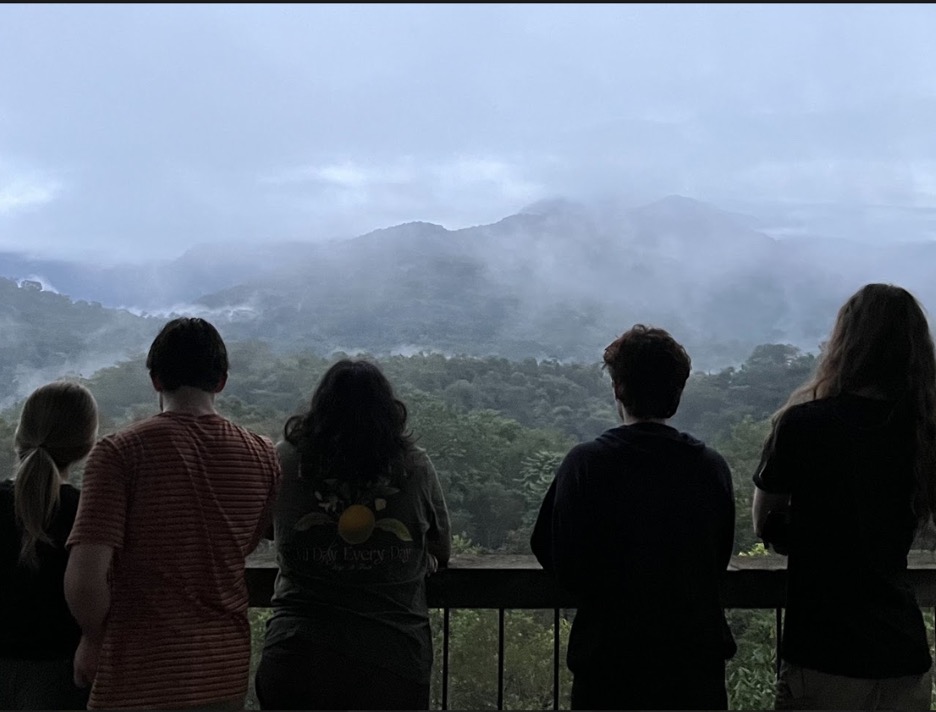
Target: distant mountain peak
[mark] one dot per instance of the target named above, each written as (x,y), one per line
(681,205)
(554,206)
(413,225)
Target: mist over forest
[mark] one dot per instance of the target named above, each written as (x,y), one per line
(557,280)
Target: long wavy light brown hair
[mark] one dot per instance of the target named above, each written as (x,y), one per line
(881,342)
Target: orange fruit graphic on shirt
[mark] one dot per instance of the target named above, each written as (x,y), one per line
(356,524)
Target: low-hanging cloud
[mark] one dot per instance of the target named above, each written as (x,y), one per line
(457,192)
(21,192)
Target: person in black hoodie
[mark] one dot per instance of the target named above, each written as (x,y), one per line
(639,526)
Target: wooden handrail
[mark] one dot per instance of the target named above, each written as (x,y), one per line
(516,581)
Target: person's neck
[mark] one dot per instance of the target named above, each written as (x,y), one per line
(186,399)
(631,420)
(628,419)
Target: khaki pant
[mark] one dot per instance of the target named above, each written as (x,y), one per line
(803,689)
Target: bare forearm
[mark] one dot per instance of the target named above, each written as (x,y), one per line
(763,504)
(89,604)
(86,588)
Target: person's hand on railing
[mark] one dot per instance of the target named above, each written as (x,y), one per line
(776,533)
(434,565)
(86,662)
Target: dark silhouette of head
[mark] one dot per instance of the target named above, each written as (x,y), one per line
(355,428)
(188,352)
(649,369)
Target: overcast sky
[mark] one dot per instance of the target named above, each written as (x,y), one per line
(141,130)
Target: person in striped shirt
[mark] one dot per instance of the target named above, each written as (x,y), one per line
(170,508)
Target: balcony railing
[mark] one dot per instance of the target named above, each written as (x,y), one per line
(504,582)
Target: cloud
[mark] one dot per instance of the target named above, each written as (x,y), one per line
(457,191)
(871,182)
(27,191)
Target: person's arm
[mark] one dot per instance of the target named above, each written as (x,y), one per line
(265,527)
(772,490)
(728,529)
(764,503)
(563,538)
(97,533)
(439,536)
(87,593)
(541,538)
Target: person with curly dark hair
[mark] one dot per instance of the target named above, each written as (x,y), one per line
(359,523)
(638,524)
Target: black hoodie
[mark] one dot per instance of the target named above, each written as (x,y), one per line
(639,525)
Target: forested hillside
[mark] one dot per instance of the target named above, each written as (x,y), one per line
(496,429)
(47,335)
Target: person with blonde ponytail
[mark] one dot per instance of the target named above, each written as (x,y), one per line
(847,481)
(57,429)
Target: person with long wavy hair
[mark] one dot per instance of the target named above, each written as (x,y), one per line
(57,429)
(847,480)
(359,522)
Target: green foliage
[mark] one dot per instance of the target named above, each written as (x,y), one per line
(751,674)
(741,447)
(497,431)
(258,618)
(528,656)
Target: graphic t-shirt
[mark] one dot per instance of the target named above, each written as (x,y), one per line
(353,564)
(37,624)
(847,464)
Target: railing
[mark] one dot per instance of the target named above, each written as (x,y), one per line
(518,582)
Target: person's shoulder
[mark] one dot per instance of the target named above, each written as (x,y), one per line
(6,493)
(417,463)
(227,429)
(807,413)
(417,456)
(589,453)
(132,435)
(137,428)
(284,448)
(714,459)
(288,455)
(260,440)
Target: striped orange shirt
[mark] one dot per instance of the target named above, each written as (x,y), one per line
(182,499)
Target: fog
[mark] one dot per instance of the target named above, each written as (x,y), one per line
(132,133)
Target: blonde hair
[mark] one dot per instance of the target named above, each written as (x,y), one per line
(881,341)
(58,426)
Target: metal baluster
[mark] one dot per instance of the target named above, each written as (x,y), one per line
(779,637)
(555,658)
(445,656)
(500,658)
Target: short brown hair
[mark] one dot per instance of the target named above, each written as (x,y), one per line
(188,352)
(649,370)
